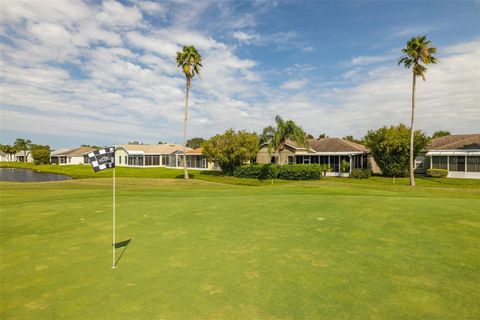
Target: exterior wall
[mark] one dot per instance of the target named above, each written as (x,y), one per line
(464,175)
(19,156)
(422,163)
(373,165)
(75,160)
(120,155)
(264,157)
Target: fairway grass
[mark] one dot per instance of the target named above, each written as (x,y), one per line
(330,249)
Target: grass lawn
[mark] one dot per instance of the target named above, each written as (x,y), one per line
(330,249)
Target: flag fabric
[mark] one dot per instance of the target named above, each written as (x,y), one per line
(102,159)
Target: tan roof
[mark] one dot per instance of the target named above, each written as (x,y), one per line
(165,148)
(78,152)
(457,141)
(195,151)
(332,145)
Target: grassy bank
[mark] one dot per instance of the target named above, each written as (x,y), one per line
(203,250)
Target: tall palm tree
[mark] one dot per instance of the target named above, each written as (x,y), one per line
(24,145)
(190,62)
(417,53)
(277,137)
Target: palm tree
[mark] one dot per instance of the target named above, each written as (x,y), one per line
(277,137)
(24,145)
(190,62)
(417,52)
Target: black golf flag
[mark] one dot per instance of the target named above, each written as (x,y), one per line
(102,159)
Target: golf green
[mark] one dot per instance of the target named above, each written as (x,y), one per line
(206,250)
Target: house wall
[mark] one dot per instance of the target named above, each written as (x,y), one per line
(120,155)
(75,160)
(264,157)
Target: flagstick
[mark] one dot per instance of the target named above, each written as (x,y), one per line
(113,247)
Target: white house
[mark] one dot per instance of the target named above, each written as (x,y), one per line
(459,154)
(160,155)
(70,156)
(20,156)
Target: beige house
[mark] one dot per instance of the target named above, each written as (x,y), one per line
(331,151)
(70,156)
(20,156)
(459,154)
(196,160)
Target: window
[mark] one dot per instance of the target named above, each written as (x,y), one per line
(323,159)
(273,159)
(119,159)
(439,163)
(335,163)
(473,164)
(419,162)
(306,160)
(125,159)
(152,160)
(457,163)
(135,161)
(290,159)
(314,159)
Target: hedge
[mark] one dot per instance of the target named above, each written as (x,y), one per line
(437,173)
(257,171)
(360,173)
(301,172)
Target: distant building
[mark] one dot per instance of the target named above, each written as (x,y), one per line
(160,155)
(330,151)
(459,154)
(70,156)
(20,156)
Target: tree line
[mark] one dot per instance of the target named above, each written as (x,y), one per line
(40,153)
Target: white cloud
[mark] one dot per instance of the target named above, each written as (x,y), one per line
(245,37)
(294,84)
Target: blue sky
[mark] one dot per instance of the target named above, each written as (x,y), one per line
(100,73)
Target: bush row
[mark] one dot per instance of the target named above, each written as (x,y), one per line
(257,171)
(437,173)
(360,173)
(287,172)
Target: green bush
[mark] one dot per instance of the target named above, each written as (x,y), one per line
(257,171)
(437,173)
(360,173)
(301,172)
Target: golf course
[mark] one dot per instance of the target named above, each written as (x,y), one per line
(225,248)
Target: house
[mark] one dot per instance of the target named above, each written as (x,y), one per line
(4,156)
(459,154)
(196,160)
(147,155)
(21,155)
(71,156)
(331,151)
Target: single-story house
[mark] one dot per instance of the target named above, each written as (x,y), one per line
(196,160)
(160,155)
(331,151)
(459,154)
(71,156)
(20,156)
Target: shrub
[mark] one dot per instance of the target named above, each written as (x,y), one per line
(326,168)
(301,172)
(437,173)
(257,171)
(360,173)
(344,166)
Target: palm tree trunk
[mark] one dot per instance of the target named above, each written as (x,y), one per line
(412,177)
(185,131)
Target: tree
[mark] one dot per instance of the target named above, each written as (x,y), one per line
(135,142)
(285,130)
(309,136)
(23,145)
(91,146)
(352,139)
(41,154)
(231,149)
(390,148)
(9,150)
(417,52)
(195,143)
(190,62)
(323,135)
(440,133)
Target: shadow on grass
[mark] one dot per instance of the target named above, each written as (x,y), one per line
(124,245)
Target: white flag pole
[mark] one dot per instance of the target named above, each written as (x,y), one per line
(113,246)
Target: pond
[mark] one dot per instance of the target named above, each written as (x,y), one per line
(25,175)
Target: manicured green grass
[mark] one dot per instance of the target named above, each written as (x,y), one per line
(331,249)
